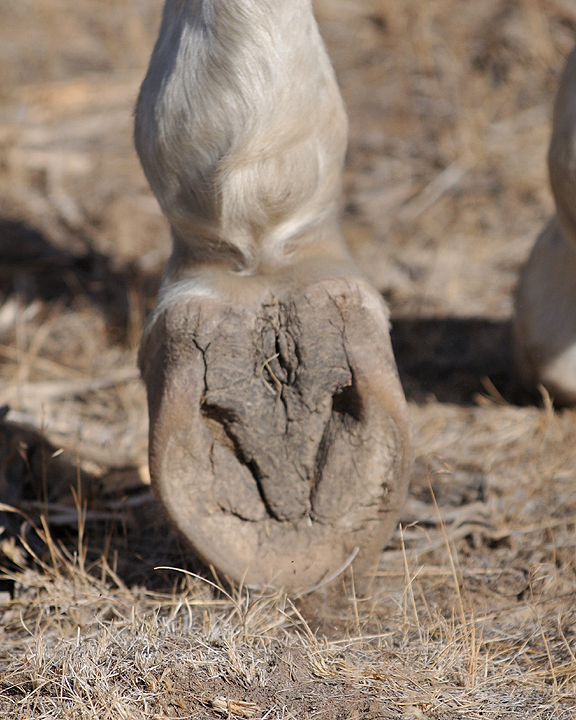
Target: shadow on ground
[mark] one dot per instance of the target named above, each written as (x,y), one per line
(34,269)
(117,523)
(451,360)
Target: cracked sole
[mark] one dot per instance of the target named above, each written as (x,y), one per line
(279,438)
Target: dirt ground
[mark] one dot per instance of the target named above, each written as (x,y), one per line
(473,612)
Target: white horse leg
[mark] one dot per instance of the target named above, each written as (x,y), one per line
(545,324)
(279,438)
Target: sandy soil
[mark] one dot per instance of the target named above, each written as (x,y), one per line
(472,614)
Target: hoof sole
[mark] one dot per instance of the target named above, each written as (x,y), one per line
(279,440)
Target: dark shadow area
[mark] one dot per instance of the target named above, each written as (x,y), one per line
(451,358)
(34,269)
(122,525)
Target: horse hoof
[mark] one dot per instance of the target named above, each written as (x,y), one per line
(279,437)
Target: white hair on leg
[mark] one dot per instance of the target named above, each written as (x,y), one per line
(241,131)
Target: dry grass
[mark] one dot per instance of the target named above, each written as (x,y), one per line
(472,613)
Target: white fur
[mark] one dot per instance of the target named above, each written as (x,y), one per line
(241,131)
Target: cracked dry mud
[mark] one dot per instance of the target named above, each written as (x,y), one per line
(279,438)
